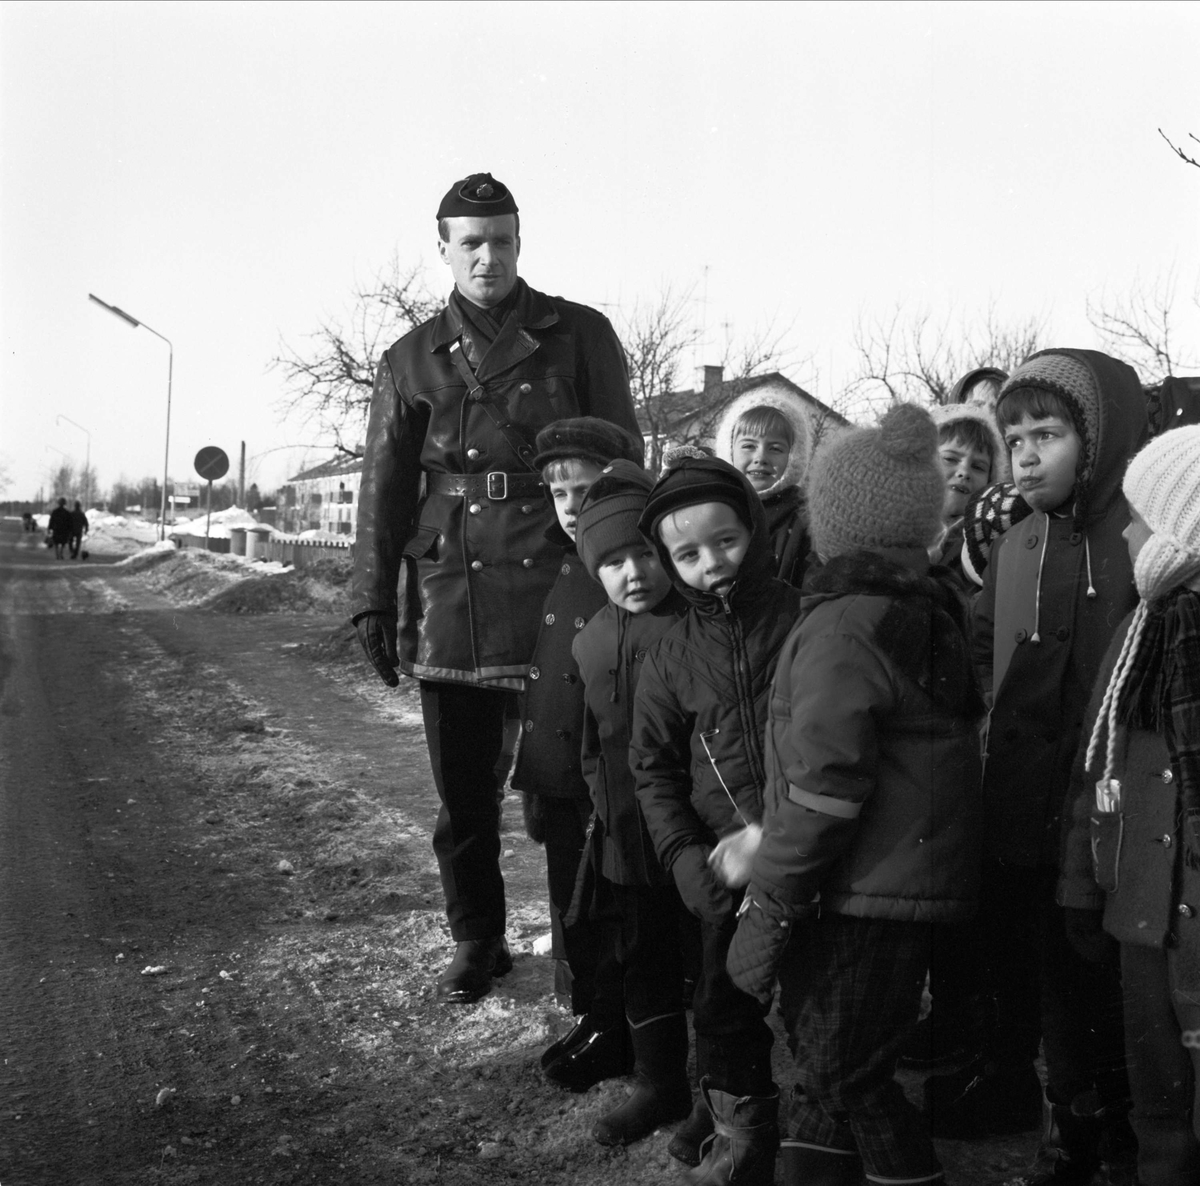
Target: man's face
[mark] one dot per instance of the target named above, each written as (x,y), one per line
(707,543)
(965,469)
(634,578)
(482,256)
(761,457)
(574,478)
(1045,456)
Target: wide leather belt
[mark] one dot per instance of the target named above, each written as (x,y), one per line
(496,485)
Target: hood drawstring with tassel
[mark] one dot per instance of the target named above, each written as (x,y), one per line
(1037,601)
(1106,716)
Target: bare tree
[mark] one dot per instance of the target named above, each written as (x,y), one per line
(330,382)
(661,338)
(1140,327)
(658,336)
(1183,156)
(912,356)
(64,481)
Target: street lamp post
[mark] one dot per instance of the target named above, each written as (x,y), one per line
(162,534)
(87,465)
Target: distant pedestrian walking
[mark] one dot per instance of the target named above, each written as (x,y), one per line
(61,527)
(79,527)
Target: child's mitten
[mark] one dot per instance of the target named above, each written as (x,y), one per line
(699,888)
(757,948)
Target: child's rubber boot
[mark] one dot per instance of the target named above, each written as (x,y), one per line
(815,1165)
(741,1151)
(691,1134)
(661,1093)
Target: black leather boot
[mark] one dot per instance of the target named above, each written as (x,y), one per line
(598,1055)
(661,1093)
(741,1151)
(809,1165)
(469,974)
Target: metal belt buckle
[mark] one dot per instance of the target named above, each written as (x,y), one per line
(497,485)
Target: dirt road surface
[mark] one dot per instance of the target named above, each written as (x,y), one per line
(220,917)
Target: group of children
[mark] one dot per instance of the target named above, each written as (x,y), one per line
(752,747)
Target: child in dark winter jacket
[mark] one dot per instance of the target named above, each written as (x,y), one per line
(972,456)
(642,606)
(765,435)
(872,808)
(1133,849)
(1057,583)
(699,767)
(571,454)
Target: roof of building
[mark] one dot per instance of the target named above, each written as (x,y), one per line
(335,467)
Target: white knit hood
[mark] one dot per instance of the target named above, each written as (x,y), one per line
(793,410)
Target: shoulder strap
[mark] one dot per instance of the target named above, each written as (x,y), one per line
(477,393)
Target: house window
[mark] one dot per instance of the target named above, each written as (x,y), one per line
(315,498)
(346,496)
(343,529)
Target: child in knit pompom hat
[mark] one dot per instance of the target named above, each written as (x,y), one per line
(1133,847)
(871,822)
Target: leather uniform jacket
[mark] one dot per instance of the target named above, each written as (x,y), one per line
(449,501)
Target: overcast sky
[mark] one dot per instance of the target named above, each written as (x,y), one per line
(228,173)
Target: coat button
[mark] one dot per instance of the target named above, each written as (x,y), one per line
(535,673)
(1020,636)
(1167,776)
(477,565)
(1031,542)
(526,388)
(566,568)
(580,623)
(474,508)
(1062,634)
(527,562)
(568,678)
(549,619)
(1184,910)
(528,726)
(1076,539)
(473,454)
(526,509)
(561,733)
(1166,840)
(640,655)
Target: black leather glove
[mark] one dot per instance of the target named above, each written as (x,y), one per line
(377,633)
(698,886)
(1087,936)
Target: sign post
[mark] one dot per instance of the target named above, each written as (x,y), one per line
(211,463)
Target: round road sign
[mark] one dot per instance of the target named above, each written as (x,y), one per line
(212,463)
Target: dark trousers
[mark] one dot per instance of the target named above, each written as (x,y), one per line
(589,944)
(464,730)
(733,1039)
(850,994)
(647,949)
(1162,1040)
(1045,990)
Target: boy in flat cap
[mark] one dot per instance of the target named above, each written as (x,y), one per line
(451,559)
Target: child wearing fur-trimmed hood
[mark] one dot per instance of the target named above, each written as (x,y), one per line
(767,437)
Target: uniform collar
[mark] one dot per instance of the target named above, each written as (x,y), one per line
(532,310)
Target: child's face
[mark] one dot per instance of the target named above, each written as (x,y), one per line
(1136,535)
(568,490)
(707,543)
(634,578)
(966,469)
(761,458)
(1045,455)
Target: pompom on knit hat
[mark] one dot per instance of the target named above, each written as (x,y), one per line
(879,487)
(1060,373)
(587,438)
(1162,484)
(608,518)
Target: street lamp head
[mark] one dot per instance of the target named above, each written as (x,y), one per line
(113,309)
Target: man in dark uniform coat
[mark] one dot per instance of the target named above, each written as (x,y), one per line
(451,563)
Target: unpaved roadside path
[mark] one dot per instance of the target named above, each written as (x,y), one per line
(156,766)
